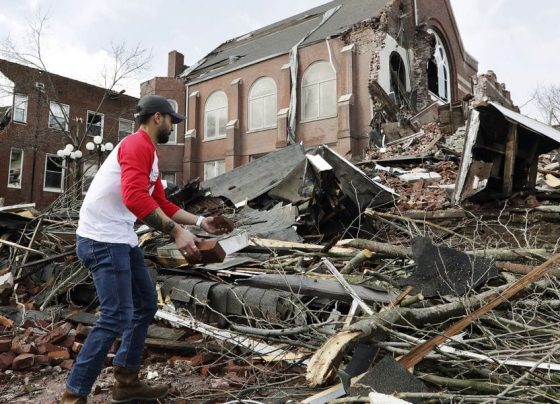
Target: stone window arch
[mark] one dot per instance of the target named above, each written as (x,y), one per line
(439,71)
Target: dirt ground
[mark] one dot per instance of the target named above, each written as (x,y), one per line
(217,383)
(46,385)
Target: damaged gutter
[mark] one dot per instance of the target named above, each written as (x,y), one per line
(294,65)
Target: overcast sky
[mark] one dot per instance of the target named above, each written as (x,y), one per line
(519,40)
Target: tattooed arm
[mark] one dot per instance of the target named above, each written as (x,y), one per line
(158,220)
(184,239)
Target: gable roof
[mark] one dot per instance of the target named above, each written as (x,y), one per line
(278,38)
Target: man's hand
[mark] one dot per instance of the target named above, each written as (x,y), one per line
(217,225)
(186,243)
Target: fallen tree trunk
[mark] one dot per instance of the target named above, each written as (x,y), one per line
(328,356)
(397,251)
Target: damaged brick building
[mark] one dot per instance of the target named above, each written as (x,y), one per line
(314,78)
(43,112)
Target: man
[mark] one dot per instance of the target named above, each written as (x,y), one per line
(127,187)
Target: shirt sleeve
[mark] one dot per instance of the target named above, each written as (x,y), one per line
(168,207)
(136,161)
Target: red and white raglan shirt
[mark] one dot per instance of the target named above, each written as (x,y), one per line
(126,187)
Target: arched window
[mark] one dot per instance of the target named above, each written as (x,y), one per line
(262,104)
(215,115)
(318,91)
(398,77)
(439,78)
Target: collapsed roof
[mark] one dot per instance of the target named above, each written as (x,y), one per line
(278,38)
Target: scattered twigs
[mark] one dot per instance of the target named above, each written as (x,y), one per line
(20,247)
(356,262)
(416,355)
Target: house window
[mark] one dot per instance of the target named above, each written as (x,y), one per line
(58,116)
(439,79)
(90,169)
(173,136)
(54,173)
(214,168)
(215,116)
(20,108)
(126,127)
(398,78)
(15,169)
(318,92)
(169,178)
(95,123)
(262,104)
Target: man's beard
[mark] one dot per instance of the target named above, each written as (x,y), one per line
(163,135)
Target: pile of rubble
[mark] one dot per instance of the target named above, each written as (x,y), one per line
(338,274)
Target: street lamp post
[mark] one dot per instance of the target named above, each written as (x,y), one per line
(69,155)
(99,148)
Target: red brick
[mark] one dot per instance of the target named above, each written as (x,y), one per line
(76,347)
(25,349)
(196,360)
(56,335)
(68,341)
(5,344)
(67,364)
(82,331)
(6,360)
(59,356)
(46,348)
(42,360)
(23,361)
(6,322)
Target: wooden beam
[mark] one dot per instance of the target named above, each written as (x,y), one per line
(420,351)
(509,163)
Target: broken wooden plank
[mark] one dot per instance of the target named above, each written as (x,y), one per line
(347,286)
(15,208)
(509,164)
(20,247)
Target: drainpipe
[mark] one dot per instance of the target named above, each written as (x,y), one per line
(35,137)
(186,130)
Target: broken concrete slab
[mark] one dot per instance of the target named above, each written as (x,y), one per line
(420,177)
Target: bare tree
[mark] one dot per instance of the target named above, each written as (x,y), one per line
(547,101)
(123,63)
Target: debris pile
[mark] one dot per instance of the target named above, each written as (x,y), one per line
(339,277)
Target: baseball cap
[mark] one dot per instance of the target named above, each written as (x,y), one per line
(150,104)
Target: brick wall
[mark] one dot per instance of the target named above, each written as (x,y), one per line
(37,140)
(357,58)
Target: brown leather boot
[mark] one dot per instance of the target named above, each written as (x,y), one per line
(70,398)
(129,388)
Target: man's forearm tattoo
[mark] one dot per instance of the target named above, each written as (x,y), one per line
(155,222)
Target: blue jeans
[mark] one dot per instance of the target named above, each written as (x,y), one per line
(128,303)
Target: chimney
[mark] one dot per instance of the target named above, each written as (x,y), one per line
(175,63)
